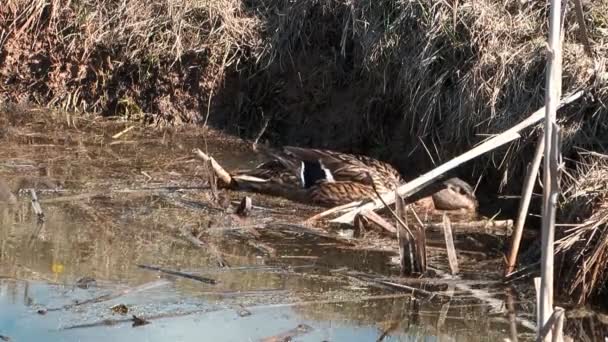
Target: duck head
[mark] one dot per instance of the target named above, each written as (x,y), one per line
(456,195)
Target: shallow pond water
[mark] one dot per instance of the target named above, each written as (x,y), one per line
(126,203)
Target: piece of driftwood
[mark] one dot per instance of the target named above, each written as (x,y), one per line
(449,243)
(524,205)
(491,227)
(179,274)
(222,174)
(417,184)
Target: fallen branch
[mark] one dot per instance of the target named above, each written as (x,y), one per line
(180,274)
(417,184)
(492,227)
(217,168)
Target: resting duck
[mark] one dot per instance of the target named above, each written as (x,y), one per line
(330,178)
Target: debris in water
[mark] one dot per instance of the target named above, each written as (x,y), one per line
(243,312)
(288,335)
(180,274)
(5,338)
(449,243)
(36,206)
(85,282)
(120,309)
(244,208)
(106,297)
(42,312)
(208,246)
(139,321)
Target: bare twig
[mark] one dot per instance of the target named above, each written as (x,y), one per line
(180,274)
(121,133)
(259,136)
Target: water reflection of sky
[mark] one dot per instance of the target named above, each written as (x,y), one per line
(21,322)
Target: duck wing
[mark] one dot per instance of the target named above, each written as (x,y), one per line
(351,167)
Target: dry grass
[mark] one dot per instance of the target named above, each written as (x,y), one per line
(584,247)
(122,57)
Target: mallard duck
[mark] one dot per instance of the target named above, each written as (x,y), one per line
(331,178)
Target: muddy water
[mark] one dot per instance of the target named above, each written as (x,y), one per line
(127,201)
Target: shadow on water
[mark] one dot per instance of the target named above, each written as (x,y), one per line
(125,202)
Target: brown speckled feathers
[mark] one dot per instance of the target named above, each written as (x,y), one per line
(344,167)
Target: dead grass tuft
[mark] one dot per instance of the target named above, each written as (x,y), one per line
(122,58)
(584,247)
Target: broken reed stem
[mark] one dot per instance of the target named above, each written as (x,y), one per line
(552,95)
(36,206)
(417,184)
(449,244)
(397,218)
(407,265)
(524,205)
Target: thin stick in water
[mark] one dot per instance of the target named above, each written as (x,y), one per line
(449,243)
